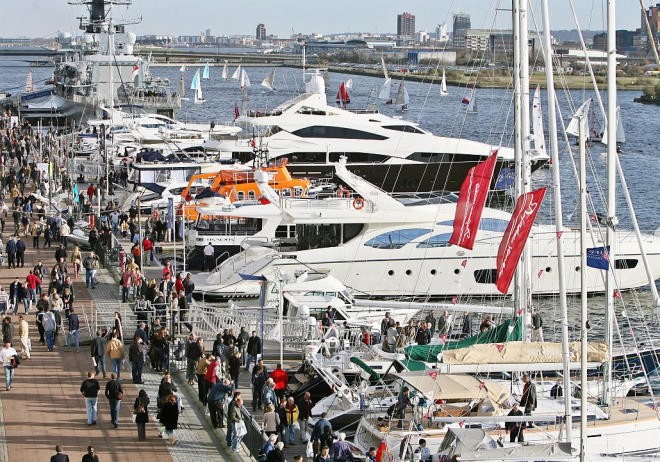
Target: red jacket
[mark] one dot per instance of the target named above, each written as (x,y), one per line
(280,377)
(210,372)
(32,281)
(147,245)
(178,285)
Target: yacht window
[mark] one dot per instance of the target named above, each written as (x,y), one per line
(446,223)
(240,195)
(430,157)
(493,224)
(396,239)
(251,194)
(439,240)
(273,129)
(297,191)
(352,157)
(286,192)
(322,236)
(324,131)
(485,276)
(625,263)
(403,128)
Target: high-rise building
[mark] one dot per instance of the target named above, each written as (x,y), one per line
(261,32)
(461,22)
(405,26)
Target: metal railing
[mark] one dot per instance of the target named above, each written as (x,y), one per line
(255,439)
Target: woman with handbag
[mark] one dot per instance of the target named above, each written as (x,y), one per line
(141,413)
(235,418)
(271,421)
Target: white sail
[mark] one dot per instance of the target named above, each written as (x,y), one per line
(443,85)
(237,73)
(382,61)
(620,135)
(245,80)
(574,124)
(402,97)
(194,83)
(29,83)
(198,95)
(349,84)
(386,90)
(182,69)
(225,75)
(537,123)
(207,72)
(268,81)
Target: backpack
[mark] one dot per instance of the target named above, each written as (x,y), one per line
(15,361)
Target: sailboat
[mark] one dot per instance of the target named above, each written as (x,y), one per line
(402,98)
(343,97)
(443,85)
(237,73)
(182,88)
(385,93)
(29,84)
(244,80)
(268,81)
(207,72)
(182,69)
(196,86)
(225,74)
(620,135)
(349,84)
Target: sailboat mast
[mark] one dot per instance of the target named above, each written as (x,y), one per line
(559,221)
(522,285)
(611,191)
(583,292)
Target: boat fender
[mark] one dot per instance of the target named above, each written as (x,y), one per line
(358,203)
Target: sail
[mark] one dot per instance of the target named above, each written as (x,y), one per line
(402,98)
(620,135)
(443,85)
(386,90)
(268,81)
(573,127)
(382,61)
(537,123)
(207,72)
(509,331)
(342,95)
(182,87)
(237,73)
(198,95)
(182,69)
(225,74)
(194,83)
(349,84)
(29,83)
(245,80)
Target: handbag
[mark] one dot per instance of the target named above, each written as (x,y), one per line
(120,396)
(240,429)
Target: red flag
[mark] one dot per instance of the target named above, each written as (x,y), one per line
(617,294)
(263,200)
(236,114)
(471,202)
(515,237)
(499,346)
(136,69)
(381,452)
(559,234)
(433,375)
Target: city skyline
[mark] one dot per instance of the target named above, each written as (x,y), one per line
(44,18)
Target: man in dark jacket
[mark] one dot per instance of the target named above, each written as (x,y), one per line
(20,252)
(253,349)
(90,390)
(241,343)
(304,414)
(74,331)
(194,351)
(423,336)
(136,357)
(216,399)
(115,393)
(11,253)
(97,352)
(59,456)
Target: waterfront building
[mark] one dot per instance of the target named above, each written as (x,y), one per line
(405,27)
(461,22)
(261,32)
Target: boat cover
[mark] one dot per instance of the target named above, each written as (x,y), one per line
(508,331)
(365,367)
(154,187)
(464,387)
(523,352)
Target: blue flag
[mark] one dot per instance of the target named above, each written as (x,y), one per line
(75,193)
(599,257)
(505,178)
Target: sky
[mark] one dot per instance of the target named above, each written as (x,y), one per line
(44,18)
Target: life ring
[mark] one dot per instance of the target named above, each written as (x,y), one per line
(358,203)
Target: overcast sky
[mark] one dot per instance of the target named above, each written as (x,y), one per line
(44,18)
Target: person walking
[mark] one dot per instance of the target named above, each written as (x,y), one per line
(258,381)
(216,400)
(7,330)
(141,411)
(270,421)
(50,326)
(9,359)
(292,413)
(97,352)
(59,455)
(169,417)
(90,391)
(20,252)
(114,393)
(115,350)
(90,456)
(194,353)
(340,450)
(136,358)
(24,336)
(528,399)
(235,419)
(253,349)
(200,372)
(281,379)
(304,414)
(11,253)
(74,331)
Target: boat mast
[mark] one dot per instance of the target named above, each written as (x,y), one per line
(559,222)
(522,284)
(582,122)
(611,191)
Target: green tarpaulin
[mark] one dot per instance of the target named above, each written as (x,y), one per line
(365,367)
(508,331)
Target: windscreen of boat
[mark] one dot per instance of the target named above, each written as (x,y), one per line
(228,226)
(434,197)
(397,238)
(322,236)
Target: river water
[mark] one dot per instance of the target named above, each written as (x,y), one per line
(447,116)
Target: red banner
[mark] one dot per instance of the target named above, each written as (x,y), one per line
(515,237)
(471,201)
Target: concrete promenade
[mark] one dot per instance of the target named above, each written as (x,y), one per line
(45,408)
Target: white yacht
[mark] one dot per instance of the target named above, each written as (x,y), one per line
(391,152)
(384,247)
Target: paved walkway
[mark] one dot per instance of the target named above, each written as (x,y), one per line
(44,407)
